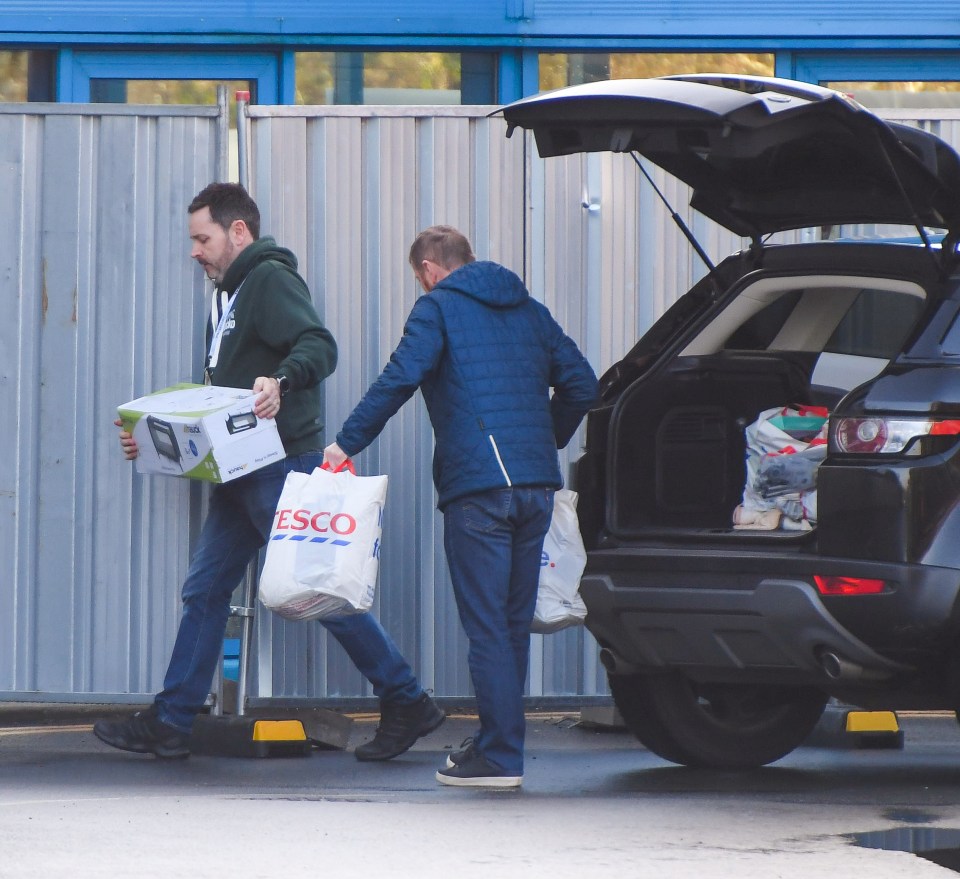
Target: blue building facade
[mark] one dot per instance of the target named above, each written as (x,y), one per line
(83,50)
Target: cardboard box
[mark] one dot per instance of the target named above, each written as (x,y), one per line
(201,432)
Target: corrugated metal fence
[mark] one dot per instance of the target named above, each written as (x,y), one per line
(98,304)
(348,189)
(102,304)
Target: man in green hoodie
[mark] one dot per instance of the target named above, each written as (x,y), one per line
(265,334)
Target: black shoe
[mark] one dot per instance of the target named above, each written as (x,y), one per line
(400,726)
(143,733)
(477,772)
(467,750)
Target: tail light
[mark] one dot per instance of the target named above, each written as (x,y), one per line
(848,585)
(884,436)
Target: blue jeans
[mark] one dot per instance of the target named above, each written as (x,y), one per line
(237,525)
(494,541)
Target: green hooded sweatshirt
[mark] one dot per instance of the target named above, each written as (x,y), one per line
(274,329)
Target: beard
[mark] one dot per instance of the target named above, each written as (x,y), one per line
(216,270)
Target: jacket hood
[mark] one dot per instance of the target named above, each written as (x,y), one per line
(487,282)
(251,256)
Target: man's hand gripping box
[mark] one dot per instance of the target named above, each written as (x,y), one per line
(201,432)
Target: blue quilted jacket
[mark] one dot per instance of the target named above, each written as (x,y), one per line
(485,355)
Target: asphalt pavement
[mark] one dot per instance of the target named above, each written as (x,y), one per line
(594,803)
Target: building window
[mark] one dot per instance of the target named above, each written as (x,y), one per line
(27,76)
(395,78)
(162,91)
(13,76)
(557,71)
(906,95)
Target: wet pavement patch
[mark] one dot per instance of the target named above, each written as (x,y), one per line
(941,845)
(911,816)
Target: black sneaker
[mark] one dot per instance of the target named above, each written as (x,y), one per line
(467,750)
(400,726)
(477,772)
(143,733)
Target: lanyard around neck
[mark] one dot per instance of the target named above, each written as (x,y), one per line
(213,355)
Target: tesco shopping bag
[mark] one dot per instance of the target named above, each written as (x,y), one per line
(324,549)
(561,565)
(785,446)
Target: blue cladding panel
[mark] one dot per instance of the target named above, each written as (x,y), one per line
(270,18)
(462,19)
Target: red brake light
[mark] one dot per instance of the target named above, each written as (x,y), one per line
(945,428)
(848,585)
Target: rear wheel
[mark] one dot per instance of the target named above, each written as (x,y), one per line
(721,726)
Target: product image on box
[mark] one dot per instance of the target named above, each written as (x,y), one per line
(164,440)
(201,432)
(241,421)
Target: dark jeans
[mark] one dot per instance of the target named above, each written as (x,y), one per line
(237,525)
(494,541)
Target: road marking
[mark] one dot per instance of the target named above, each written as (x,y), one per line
(33,730)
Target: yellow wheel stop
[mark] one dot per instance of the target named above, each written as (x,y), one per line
(872,721)
(279,731)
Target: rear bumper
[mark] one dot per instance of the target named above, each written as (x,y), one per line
(719,617)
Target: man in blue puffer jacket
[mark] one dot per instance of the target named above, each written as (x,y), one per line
(486,356)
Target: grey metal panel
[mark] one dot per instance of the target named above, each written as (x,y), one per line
(359,173)
(372,180)
(942,122)
(101,305)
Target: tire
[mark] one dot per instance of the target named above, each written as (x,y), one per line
(717,726)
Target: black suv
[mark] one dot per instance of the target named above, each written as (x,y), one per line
(724,643)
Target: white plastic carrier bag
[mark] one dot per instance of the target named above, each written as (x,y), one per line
(559,604)
(785,446)
(323,555)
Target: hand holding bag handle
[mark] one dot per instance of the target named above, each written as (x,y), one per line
(345,465)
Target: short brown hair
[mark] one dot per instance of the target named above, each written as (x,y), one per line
(443,245)
(228,202)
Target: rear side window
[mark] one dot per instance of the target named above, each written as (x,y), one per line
(876,324)
(849,332)
(758,332)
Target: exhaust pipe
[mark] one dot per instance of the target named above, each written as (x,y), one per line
(839,669)
(615,664)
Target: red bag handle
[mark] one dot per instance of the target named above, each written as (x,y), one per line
(344,465)
(820,411)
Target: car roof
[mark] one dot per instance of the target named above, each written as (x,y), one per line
(761,154)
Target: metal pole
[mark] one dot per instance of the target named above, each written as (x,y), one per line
(223,134)
(243,167)
(245,612)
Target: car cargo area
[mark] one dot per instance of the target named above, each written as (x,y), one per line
(676,436)
(679,447)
